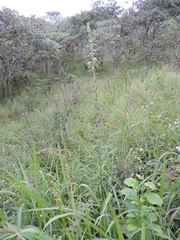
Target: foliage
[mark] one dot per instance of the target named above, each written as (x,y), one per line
(143,218)
(56,46)
(28,45)
(77,167)
(72,185)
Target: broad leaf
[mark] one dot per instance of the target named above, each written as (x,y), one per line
(154,198)
(150,185)
(153,217)
(129,193)
(132,227)
(131,182)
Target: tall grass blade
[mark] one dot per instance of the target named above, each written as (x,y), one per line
(117,223)
(163,178)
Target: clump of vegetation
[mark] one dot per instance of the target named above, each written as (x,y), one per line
(83,165)
(75,166)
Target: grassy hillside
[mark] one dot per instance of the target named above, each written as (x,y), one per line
(77,167)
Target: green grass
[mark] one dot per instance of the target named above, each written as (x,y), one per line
(64,161)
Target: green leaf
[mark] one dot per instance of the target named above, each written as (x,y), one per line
(146,208)
(154,198)
(139,176)
(57,217)
(142,199)
(135,202)
(143,232)
(108,198)
(157,229)
(150,185)
(132,227)
(129,193)
(131,215)
(131,182)
(153,217)
(2,217)
(117,223)
(163,179)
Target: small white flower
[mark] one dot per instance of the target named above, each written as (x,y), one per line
(141,149)
(178,148)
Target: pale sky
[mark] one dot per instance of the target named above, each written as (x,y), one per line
(65,7)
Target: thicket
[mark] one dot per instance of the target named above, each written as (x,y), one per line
(49,48)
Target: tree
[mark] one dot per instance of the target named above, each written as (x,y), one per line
(14,49)
(116,36)
(169,8)
(106,10)
(54,17)
(150,16)
(30,44)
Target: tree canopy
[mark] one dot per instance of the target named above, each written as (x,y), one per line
(54,46)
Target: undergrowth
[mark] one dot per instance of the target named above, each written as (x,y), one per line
(72,171)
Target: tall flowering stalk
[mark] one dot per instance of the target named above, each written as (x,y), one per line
(92,64)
